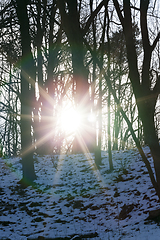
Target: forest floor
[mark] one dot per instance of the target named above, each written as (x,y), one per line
(72,199)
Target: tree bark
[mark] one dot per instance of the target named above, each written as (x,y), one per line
(27,84)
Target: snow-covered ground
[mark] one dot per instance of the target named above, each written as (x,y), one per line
(74,200)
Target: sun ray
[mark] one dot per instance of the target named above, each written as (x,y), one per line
(38,143)
(71,122)
(90,160)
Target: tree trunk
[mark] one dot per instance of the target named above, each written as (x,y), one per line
(43,127)
(109,134)
(98,157)
(109,96)
(146,111)
(84,139)
(27,82)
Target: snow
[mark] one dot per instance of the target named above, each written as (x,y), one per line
(73,199)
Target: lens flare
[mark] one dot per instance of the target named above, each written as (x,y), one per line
(70,120)
(91,118)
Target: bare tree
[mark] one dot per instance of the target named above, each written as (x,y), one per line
(145,93)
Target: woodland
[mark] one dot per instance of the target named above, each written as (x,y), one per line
(80,76)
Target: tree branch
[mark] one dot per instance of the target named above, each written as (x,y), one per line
(155,42)
(94,13)
(6,8)
(143,21)
(121,18)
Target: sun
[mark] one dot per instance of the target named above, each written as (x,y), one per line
(70,120)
